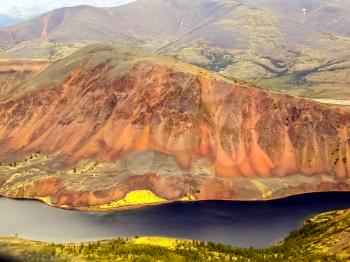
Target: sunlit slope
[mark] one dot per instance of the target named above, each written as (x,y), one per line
(323,237)
(107,121)
(327,233)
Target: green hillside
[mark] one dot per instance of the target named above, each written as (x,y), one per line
(323,237)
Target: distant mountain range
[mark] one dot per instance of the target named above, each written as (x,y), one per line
(6,20)
(26,9)
(299,47)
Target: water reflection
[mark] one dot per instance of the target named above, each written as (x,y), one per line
(247,224)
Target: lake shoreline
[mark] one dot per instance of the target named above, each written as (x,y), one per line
(238,223)
(138,206)
(317,245)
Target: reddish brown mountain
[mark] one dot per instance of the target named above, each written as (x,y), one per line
(108,121)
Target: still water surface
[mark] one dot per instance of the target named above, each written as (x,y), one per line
(257,224)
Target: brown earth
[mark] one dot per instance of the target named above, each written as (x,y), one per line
(167,127)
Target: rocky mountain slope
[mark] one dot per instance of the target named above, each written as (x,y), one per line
(323,237)
(106,121)
(293,46)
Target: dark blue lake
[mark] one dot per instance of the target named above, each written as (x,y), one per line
(257,224)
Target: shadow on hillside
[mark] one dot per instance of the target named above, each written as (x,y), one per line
(5,258)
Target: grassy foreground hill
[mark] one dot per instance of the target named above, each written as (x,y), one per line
(323,237)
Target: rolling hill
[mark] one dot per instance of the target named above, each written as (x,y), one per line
(91,128)
(290,46)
